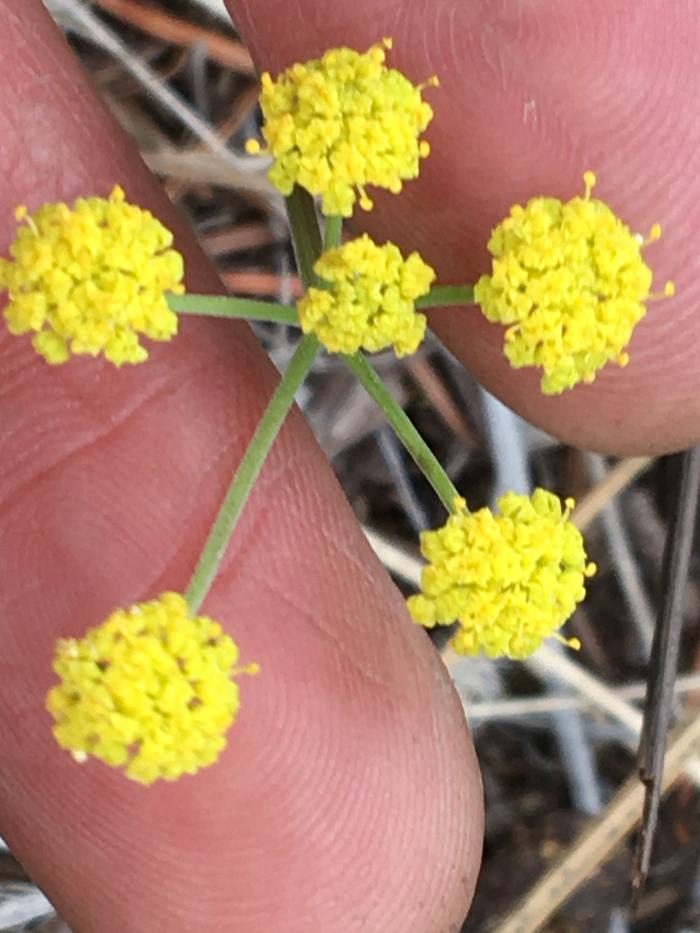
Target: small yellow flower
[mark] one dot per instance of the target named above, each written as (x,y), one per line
(336,124)
(148,691)
(510,580)
(370,299)
(91,279)
(570,279)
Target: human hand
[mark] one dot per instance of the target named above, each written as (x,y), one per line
(348,795)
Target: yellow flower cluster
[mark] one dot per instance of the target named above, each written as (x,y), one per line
(149,691)
(370,299)
(91,279)
(510,580)
(570,279)
(336,124)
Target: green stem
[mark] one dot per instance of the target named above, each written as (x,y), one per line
(332,232)
(248,471)
(306,239)
(228,306)
(441,296)
(306,236)
(405,431)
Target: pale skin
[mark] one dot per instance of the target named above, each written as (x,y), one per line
(349,796)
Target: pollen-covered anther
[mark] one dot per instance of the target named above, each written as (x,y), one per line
(510,580)
(91,279)
(339,123)
(570,282)
(150,691)
(369,299)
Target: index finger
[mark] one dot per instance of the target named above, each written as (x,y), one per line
(531,96)
(348,796)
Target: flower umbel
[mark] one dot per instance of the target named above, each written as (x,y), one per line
(570,279)
(149,691)
(510,580)
(336,124)
(91,279)
(370,299)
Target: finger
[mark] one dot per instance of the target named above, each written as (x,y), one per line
(531,96)
(348,797)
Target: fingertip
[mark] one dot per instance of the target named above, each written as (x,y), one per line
(503,132)
(348,796)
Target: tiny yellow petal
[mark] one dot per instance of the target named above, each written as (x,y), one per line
(573,643)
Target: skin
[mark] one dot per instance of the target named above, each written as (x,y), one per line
(349,797)
(532,95)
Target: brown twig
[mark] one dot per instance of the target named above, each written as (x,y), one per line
(258,282)
(164,26)
(207,168)
(240,110)
(436,393)
(235,239)
(620,476)
(598,841)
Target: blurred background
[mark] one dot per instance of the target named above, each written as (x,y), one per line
(556,737)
